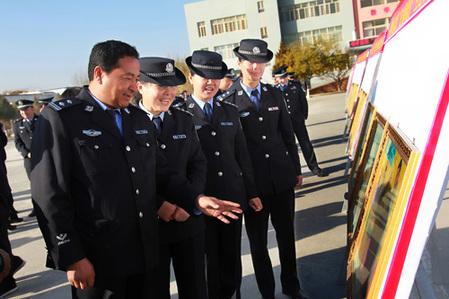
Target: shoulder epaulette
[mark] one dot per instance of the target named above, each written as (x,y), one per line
(64,104)
(225,95)
(177,105)
(182,110)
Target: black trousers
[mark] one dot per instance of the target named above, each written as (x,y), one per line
(299,126)
(4,239)
(281,208)
(188,263)
(5,191)
(109,287)
(224,265)
(27,164)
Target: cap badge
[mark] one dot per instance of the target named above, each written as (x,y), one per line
(169,68)
(256,50)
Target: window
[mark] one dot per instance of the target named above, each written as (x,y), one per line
(374,27)
(226,51)
(260,7)
(201,29)
(367,3)
(263,32)
(228,24)
(311,9)
(311,36)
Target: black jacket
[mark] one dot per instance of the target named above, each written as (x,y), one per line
(23,134)
(96,188)
(229,171)
(296,101)
(179,143)
(270,138)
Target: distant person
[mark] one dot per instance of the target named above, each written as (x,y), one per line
(274,154)
(5,189)
(298,109)
(23,133)
(95,176)
(44,102)
(227,81)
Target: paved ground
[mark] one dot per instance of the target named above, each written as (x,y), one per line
(320,226)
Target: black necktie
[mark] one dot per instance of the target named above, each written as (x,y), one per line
(208,111)
(255,97)
(157,121)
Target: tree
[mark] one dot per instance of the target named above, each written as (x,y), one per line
(7,111)
(80,79)
(322,58)
(181,64)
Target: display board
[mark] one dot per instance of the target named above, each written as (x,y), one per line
(399,164)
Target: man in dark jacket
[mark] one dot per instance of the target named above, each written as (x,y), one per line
(23,134)
(94,177)
(298,109)
(229,170)
(274,154)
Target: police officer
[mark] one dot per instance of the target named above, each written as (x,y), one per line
(94,177)
(44,103)
(229,170)
(298,109)
(227,81)
(23,134)
(274,154)
(181,233)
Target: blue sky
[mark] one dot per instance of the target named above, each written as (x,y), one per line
(45,44)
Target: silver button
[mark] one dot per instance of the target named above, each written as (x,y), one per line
(133,169)
(140,215)
(286,153)
(220,173)
(267,156)
(96,146)
(163,146)
(260,118)
(264,137)
(241,173)
(288,101)
(137,191)
(286,94)
(147,144)
(217,153)
(289,112)
(213,133)
(128,149)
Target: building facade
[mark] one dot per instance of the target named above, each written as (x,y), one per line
(371,17)
(218,25)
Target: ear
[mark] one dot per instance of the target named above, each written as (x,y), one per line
(140,87)
(190,78)
(98,74)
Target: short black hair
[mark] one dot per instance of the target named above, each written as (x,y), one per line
(107,54)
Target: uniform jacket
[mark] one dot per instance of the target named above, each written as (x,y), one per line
(270,138)
(3,143)
(296,101)
(23,134)
(96,188)
(179,143)
(229,171)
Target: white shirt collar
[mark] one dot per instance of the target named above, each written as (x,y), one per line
(202,103)
(150,115)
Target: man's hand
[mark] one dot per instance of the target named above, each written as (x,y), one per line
(299,180)
(256,204)
(180,215)
(166,211)
(81,274)
(217,208)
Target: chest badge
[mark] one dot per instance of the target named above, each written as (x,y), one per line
(92,133)
(179,136)
(275,108)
